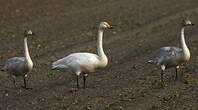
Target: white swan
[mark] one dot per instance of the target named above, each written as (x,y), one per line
(85,62)
(167,57)
(20,66)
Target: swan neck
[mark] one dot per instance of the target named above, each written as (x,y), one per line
(185,49)
(102,57)
(99,44)
(26,51)
(183,43)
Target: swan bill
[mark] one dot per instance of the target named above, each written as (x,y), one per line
(109,26)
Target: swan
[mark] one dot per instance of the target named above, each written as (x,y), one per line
(20,66)
(85,62)
(167,57)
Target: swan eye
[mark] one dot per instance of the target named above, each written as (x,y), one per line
(108,26)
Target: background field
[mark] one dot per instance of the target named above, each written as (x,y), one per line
(127,83)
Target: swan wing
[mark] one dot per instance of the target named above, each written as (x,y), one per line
(76,61)
(13,64)
(166,54)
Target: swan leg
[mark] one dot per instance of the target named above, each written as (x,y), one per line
(176,71)
(14,82)
(84,81)
(162,78)
(25,84)
(77,81)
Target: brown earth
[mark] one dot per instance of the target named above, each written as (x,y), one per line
(127,83)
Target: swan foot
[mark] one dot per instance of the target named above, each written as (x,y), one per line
(27,88)
(163,85)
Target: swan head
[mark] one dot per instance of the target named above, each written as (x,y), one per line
(105,25)
(187,22)
(28,33)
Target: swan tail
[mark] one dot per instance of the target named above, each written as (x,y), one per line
(152,61)
(53,68)
(3,69)
(59,66)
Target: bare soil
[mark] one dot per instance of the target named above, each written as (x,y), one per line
(127,83)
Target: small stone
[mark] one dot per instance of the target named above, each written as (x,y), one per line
(17,10)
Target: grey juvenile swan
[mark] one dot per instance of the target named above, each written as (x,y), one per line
(167,57)
(20,66)
(85,62)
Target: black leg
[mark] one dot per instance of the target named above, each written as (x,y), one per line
(84,79)
(25,84)
(24,79)
(176,73)
(14,82)
(162,79)
(77,81)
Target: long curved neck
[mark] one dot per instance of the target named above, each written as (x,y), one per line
(99,45)
(183,43)
(185,49)
(101,53)
(26,51)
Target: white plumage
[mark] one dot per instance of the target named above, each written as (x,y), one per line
(85,62)
(167,57)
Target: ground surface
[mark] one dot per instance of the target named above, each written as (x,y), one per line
(127,83)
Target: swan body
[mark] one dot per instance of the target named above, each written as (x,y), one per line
(85,62)
(81,62)
(17,66)
(167,57)
(170,57)
(20,66)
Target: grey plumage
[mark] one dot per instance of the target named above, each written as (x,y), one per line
(16,66)
(20,66)
(167,57)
